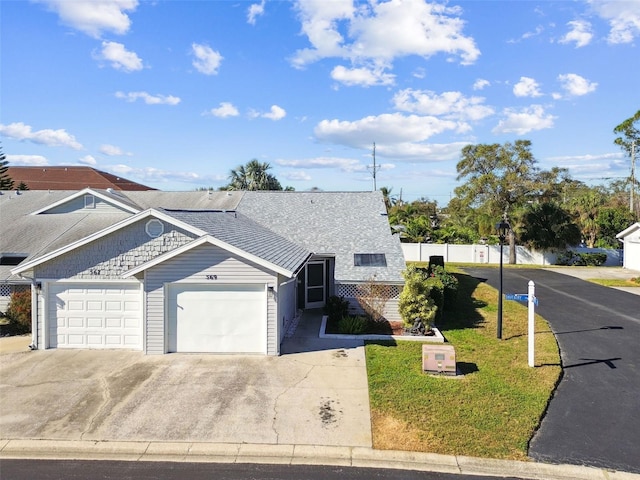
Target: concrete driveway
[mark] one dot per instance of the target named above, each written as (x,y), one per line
(314,397)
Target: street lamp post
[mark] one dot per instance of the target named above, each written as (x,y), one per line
(502,228)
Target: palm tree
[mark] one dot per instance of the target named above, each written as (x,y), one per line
(548,226)
(252,176)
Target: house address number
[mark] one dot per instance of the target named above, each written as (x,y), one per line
(211,277)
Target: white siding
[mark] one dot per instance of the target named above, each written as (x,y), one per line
(203,264)
(286,304)
(77,205)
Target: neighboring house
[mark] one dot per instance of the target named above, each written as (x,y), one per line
(191,271)
(70,178)
(630,239)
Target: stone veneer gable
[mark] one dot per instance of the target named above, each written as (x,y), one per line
(113,255)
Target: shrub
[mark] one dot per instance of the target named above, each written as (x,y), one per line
(450,285)
(415,300)
(352,325)
(19,310)
(437,294)
(581,259)
(372,298)
(336,308)
(592,259)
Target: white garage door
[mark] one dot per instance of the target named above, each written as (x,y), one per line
(105,315)
(217,318)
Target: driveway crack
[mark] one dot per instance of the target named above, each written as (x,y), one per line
(277,400)
(106,399)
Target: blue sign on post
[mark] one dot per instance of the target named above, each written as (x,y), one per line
(520,297)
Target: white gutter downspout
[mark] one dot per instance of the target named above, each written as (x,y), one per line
(34,312)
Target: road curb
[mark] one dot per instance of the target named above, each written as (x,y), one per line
(296,455)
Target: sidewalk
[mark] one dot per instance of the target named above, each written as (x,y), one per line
(297,455)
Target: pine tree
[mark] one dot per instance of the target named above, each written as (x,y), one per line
(5,180)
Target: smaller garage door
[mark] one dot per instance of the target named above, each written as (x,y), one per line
(105,315)
(217,318)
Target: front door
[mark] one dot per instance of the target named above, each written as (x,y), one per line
(315,281)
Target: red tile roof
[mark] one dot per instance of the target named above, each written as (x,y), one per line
(70,178)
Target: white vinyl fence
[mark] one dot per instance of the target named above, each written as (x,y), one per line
(420,252)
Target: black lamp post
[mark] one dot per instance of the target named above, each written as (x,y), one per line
(502,228)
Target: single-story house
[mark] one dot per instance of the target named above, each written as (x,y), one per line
(221,272)
(630,238)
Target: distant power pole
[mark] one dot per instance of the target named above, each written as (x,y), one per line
(633,176)
(374,168)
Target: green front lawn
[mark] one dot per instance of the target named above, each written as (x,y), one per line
(490,412)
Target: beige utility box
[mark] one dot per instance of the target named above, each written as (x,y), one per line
(438,359)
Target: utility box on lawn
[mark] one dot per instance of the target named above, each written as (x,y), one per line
(438,359)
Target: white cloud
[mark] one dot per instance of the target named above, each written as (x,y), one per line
(206,60)
(119,57)
(524,120)
(539,29)
(298,176)
(148,98)
(422,152)
(276,113)
(88,160)
(481,84)
(150,174)
(113,151)
(226,109)
(380,32)
(255,10)
(52,138)
(575,85)
(94,17)
(452,105)
(363,76)
(580,33)
(527,87)
(623,18)
(384,129)
(27,160)
(343,164)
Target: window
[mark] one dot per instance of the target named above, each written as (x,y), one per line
(89,201)
(11,259)
(369,260)
(154,228)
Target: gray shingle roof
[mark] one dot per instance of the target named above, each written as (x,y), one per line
(35,235)
(334,223)
(281,227)
(245,234)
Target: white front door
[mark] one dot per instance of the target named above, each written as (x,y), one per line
(104,315)
(207,318)
(315,281)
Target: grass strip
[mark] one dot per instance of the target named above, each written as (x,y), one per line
(492,411)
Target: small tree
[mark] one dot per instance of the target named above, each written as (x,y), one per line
(415,300)
(6,183)
(19,310)
(373,297)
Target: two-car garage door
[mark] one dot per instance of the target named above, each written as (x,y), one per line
(104,315)
(200,317)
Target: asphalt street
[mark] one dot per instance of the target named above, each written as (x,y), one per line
(94,470)
(592,418)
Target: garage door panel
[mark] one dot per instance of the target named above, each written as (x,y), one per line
(96,316)
(220,319)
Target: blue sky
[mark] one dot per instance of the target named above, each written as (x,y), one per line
(174,94)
